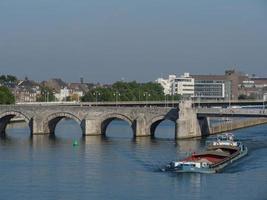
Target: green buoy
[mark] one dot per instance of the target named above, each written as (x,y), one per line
(75,143)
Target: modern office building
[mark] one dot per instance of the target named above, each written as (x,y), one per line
(228,86)
(182,85)
(213,89)
(219,86)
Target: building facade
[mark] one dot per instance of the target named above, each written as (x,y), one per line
(26,91)
(212,89)
(219,87)
(63,94)
(167,84)
(183,85)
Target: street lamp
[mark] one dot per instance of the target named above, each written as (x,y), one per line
(146,95)
(116,95)
(172,99)
(263,101)
(166,100)
(15,96)
(47,96)
(96,94)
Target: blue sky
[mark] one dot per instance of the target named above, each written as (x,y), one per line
(107,40)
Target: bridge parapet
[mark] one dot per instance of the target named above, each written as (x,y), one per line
(231,112)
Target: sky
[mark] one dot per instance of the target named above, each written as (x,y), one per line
(109,40)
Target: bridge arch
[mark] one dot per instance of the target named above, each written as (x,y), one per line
(107,119)
(5,118)
(154,122)
(52,120)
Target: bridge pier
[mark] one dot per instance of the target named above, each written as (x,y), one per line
(37,127)
(140,127)
(91,127)
(187,124)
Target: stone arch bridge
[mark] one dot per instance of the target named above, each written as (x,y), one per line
(94,120)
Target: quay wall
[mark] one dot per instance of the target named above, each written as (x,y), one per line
(236,125)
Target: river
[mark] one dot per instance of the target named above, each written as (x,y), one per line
(120,167)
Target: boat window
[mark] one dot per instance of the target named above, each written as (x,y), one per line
(190,165)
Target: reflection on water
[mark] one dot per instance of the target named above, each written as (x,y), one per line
(119,166)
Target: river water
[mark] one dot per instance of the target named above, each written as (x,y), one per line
(120,167)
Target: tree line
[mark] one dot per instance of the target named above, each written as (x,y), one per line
(119,91)
(6,96)
(128,91)
(8,79)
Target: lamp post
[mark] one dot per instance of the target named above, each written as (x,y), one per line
(166,99)
(116,95)
(146,95)
(172,99)
(47,96)
(96,94)
(263,102)
(15,96)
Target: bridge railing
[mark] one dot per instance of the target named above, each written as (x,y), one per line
(231,111)
(106,103)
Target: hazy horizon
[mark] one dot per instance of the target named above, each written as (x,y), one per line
(110,40)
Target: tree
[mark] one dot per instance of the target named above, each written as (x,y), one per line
(46,95)
(73,97)
(242,97)
(11,79)
(8,79)
(252,96)
(6,97)
(126,91)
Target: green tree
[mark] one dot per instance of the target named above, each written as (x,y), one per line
(2,79)
(7,79)
(11,79)
(6,97)
(242,97)
(46,95)
(127,91)
(253,96)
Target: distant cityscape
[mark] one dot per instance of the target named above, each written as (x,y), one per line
(231,85)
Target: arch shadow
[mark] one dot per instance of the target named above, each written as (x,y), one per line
(155,122)
(53,119)
(107,119)
(6,117)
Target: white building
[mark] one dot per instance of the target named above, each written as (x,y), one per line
(63,94)
(167,84)
(183,85)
